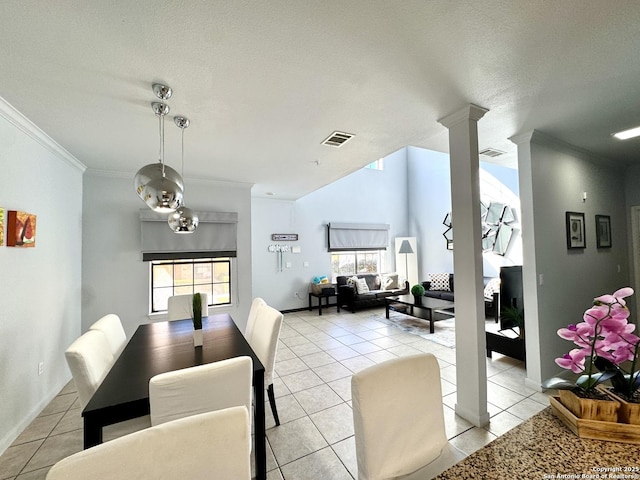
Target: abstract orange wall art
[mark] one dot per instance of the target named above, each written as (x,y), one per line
(21,229)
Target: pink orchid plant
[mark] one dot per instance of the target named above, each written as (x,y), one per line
(605,342)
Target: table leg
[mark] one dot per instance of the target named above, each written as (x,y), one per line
(92,432)
(387,309)
(309,301)
(431,322)
(260,433)
(320,305)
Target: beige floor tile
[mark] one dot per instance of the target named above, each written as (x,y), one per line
(404,350)
(386,342)
(40,474)
(284,353)
(16,457)
(293,341)
(39,428)
(70,387)
(329,344)
(502,423)
(294,440)
(317,359)
(305,349)
(454,424)
(380,356)
(335,423)
(447,387)
(279,388)
(72,420)
(301,381)
(59,404)
(342,353)
(55,448)
(121,429)
(472,440)
(333,371)
(317,398)
(365,347)
(526,409)
(350,339)
(346,451)
(357,364)
(342,387)
(318,336)
(323,464)
(502,397)
(287,367)
(288,410)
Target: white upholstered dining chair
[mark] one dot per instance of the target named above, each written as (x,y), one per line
(399,421)
(204,388)
(264,342)
(251,319)
(179,306)
(111,326)
(209,445)
(89,358)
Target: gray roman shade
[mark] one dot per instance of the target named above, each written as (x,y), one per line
(358,236)
(214,237)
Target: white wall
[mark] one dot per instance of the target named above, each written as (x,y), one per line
(115,279)
(365,196)
(39,287)
(572,278)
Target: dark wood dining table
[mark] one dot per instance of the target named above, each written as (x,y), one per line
(162,347)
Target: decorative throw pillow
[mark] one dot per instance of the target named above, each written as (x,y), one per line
(390,282)
(361,286)
(493,286)
(439,281)
(351,281)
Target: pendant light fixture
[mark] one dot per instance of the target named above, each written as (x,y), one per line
(157,184)
(183,220)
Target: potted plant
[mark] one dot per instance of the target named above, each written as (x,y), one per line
(418,292)
(605,334)
(514,317)
(196,316)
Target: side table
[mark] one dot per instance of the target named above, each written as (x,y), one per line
(320,296)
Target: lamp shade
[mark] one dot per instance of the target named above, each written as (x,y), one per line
(161,194)
(405,247)
(183,220)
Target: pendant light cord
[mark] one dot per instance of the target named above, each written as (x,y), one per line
(162,143)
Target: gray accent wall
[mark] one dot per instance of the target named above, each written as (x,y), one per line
(39,287)
(555,177)
(114,277)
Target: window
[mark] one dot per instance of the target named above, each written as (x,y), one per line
(352,263)
(377,165)
(184,277)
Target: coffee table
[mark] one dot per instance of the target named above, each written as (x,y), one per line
(424,311)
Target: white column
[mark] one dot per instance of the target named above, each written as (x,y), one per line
(471,368)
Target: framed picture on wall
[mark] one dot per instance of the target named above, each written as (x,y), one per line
(575,230)
(603,231)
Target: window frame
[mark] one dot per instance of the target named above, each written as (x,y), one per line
(193,262)
(380,263)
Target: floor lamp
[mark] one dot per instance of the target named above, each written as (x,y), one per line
(405,247)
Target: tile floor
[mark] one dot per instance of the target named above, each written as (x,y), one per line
(316,357)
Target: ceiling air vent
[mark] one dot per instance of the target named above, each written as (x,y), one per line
(337,139)
(491,152)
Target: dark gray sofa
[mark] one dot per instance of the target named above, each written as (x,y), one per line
(348,296)
(490,306)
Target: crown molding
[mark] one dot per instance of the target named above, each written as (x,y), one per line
(187,180)
(26,126)
(539,138)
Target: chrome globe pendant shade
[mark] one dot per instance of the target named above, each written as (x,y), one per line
(183,220)
(157,184)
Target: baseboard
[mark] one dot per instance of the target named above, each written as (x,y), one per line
(11,435)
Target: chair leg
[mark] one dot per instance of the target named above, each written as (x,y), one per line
(272,402)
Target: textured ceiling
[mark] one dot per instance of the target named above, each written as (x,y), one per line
(265,82)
